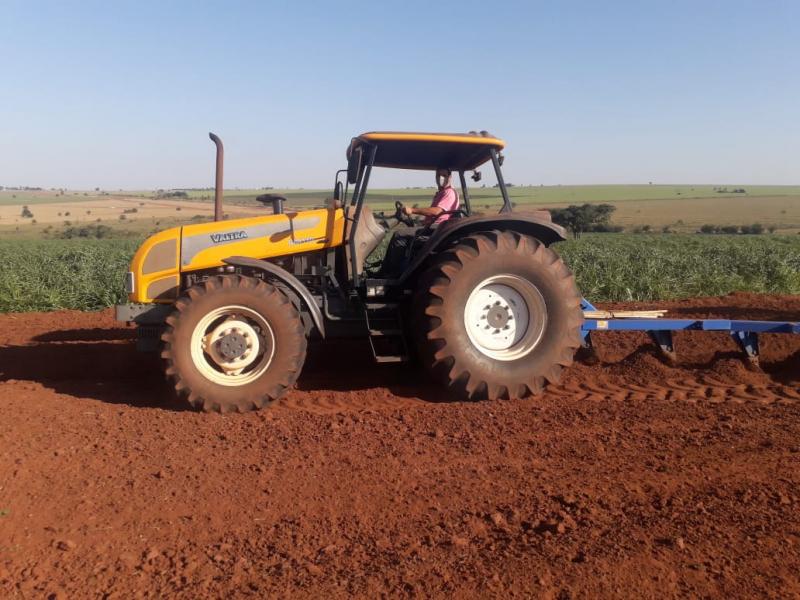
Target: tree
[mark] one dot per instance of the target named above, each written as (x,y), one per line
(754,229)
(26,212)
(582,218)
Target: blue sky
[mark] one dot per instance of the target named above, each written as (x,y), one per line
(122,94)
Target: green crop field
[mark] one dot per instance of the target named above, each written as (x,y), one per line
(79,274)
(613,267)
(52,274)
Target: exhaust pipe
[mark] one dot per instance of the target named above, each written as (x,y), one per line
(218,184)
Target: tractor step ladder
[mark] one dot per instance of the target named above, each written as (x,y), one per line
(385,329)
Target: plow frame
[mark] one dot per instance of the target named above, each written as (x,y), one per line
(744,333)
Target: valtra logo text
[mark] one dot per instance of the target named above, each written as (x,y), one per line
(228,237)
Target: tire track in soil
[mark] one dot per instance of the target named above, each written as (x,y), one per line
(378,399)
(674,391)
(63,349)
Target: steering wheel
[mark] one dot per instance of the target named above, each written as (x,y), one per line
(400,214)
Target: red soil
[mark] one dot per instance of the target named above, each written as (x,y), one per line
(631,478)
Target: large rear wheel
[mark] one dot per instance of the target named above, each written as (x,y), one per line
(500,316)
(233,343)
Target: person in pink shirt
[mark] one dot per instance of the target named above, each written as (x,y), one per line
(398,252)
(445,200)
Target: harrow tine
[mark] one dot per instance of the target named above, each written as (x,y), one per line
(748,342)
(663,341)
(587,353)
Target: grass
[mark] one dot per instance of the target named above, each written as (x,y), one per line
(40,275)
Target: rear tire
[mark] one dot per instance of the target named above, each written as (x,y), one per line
(499,316)
(233,344)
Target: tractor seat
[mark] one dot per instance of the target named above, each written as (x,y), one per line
(369,234)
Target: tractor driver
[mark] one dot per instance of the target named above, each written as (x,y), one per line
(444,201)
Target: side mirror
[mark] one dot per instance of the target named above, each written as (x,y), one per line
(354,165)
(476,176)
(338,191)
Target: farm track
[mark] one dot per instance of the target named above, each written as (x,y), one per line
(630,478)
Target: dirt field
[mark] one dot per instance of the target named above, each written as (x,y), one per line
(683,208)
(630,479)
(109,209)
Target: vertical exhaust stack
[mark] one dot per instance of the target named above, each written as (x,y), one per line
(218,183)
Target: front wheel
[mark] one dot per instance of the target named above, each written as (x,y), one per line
(500,316)
(233,343)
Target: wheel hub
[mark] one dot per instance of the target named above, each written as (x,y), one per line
(505,317)
(498,316)
(232,345)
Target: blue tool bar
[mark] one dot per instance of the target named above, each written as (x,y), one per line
(690,324)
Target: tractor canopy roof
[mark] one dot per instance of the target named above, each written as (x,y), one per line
(429,151)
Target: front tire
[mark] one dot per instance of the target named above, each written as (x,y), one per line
(499,316)
(233,344)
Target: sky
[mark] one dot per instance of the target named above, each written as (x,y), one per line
(123,94)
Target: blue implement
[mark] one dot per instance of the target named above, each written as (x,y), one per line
(744,333)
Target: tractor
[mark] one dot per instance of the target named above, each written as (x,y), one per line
(480,301)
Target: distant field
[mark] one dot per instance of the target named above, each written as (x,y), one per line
(19,198)
(124,213)
(683,208)
(539,194)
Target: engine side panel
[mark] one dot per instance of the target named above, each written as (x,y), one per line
(206,245)
(162,258)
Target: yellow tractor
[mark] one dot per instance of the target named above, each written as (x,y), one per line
(481,301)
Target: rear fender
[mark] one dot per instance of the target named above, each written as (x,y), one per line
(538,226)
(289,280)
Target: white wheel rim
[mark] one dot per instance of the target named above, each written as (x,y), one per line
(232,345)
(505,317)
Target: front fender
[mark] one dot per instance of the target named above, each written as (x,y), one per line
(288,279)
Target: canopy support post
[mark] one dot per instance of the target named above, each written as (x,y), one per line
(465,192)
(501,184)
